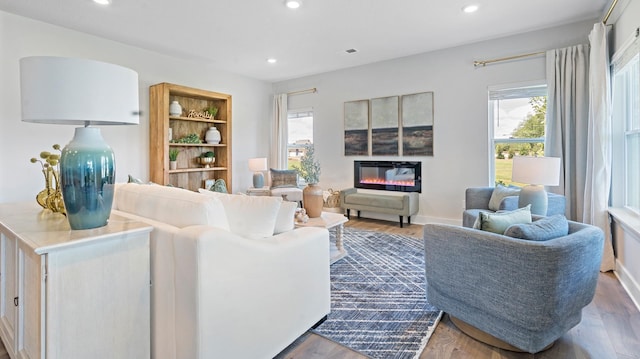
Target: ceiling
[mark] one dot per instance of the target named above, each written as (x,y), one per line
(239,35)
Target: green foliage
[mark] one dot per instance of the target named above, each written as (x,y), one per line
(533,125)
(208,154)
(173,154)
(309,167)
(213,111)
(190,138)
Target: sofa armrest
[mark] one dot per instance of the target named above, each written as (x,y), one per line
(477,197)
(346,192)
(229,286)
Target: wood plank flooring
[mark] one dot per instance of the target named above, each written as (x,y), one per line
(610,326)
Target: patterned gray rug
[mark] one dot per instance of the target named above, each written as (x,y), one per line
(378,304)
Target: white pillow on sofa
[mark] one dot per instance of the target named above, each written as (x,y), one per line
(285,219)
(171,205)
(251,217)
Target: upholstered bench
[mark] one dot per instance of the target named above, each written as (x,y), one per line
(405,204)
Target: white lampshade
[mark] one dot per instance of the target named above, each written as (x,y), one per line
(59,90)
(258,164)
(543,171)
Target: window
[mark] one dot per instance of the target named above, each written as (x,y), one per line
(626,128)
(300,135)
(517,118)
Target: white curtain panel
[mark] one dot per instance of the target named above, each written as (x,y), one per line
(280,132)
(568,122)
(598,176)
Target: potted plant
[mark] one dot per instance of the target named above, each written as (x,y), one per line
(207,158)
(173,158)
(312,194)
(213,111)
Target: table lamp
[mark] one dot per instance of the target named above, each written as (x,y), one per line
(537,172)
(69,91)
(257,165)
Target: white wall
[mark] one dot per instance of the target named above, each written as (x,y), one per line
(461,151)
(20,180)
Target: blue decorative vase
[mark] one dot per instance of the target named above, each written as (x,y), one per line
(87,174)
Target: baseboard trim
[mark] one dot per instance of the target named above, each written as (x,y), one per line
(628,283)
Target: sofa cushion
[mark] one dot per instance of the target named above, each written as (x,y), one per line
(285,218)
(174,206)
(375,200)
(500,192)
(540,230)
(284,178)
(251,217)
(498,222)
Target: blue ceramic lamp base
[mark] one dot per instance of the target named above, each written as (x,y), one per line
(536,196)
(258,180)
(87,175)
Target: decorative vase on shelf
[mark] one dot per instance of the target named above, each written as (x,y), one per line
(312,200)
(212,136)
(173,165)
(175,109)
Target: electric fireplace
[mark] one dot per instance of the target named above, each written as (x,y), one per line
(388,175)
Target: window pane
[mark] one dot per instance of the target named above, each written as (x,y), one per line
(300,135)
(633,171)
(504,158)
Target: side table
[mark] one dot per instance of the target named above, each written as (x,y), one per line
(330,220)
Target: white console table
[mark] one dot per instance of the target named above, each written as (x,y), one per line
(73,294)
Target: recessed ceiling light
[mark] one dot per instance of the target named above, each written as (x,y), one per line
(293,4)
(470,8)
(271,60)
(102,2)
(350,51)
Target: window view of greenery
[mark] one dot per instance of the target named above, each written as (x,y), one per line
(300,136)
(518,131)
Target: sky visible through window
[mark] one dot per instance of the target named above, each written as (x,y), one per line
(511,113)
(300,129)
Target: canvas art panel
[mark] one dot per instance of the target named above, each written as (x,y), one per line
(417,124)
(356,128)
(385,126)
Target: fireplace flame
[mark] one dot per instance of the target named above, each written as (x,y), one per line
(382,181)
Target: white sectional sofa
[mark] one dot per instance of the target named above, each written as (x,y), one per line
(231,277)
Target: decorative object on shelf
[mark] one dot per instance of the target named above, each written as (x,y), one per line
(173,158)
(212,136)
(219,186)
(257,165)
(201,115)
(207,159)
(190,138)
(213,111)
(51,196)
(170,134)
(537,172)
(209,183)
(312,194)
(175,109)
(57,90)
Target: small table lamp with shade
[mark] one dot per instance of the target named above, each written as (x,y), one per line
(537,172)
(69,91)
(257,165)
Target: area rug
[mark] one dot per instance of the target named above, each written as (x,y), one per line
(378,302)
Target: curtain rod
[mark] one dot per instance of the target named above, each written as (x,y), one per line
(311,90)
(485,62)
(606,17)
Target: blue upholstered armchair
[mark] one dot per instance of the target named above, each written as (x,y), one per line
(525,294)
(477,199)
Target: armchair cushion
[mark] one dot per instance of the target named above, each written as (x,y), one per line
(284,221)
(499,193)
(543,229)
(498,222)
(284,178)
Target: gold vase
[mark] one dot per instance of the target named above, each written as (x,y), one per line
(312,200)
(51,197)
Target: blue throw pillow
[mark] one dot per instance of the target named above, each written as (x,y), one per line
(541,230)
(498,222)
